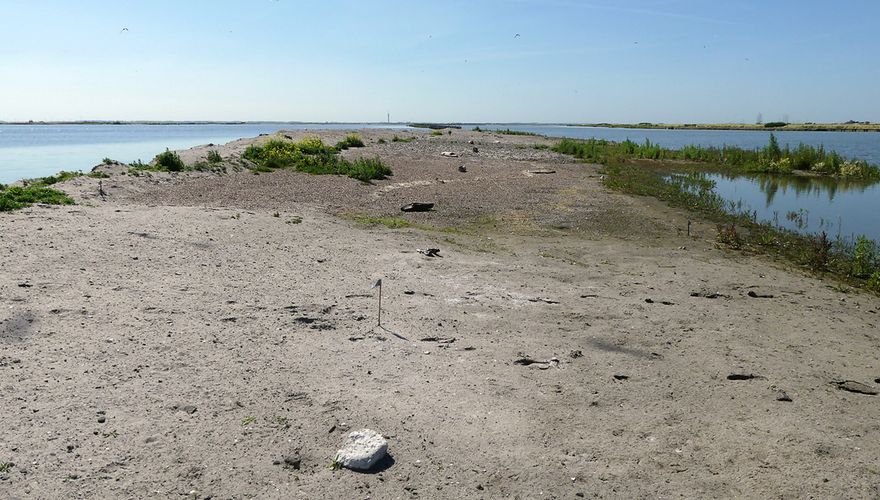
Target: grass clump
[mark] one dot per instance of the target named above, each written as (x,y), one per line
(214,156)
(169,161)
(350,141)
(312,156)
(16,197)
(402,139)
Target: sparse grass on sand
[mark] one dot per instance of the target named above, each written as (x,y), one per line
(312,156)
(16,197)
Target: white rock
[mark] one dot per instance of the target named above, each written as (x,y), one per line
(362,450)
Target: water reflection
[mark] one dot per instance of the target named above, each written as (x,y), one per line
(802,186)
(844,208)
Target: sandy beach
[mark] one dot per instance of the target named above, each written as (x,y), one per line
(205,335)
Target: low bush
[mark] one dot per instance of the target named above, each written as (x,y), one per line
(350,141)
(15,197)
(170,161)
(312,156)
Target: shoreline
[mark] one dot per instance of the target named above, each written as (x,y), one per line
(214,334)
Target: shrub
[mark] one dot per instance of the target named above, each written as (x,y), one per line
(214,156)
(312,156)
(381,141)
(367,169)
(350,141)
(170,161)
(863,257)
(13,198)
(311,145)
(873,282)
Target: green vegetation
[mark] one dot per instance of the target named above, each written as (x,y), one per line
(649,170)
(5,466)
(380,141)
(52,179)
(389,222)
(248,420)
(402,139)
(350,141)
(214,156)
(312,156)
(729,159)
(437,132)
(507,131)
(169,161)
(16,197)
(850,126)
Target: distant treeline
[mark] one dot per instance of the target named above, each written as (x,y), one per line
(434,126)
(850,126)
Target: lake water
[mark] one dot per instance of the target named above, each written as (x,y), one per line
(845,209)
(38,150)
(839,208)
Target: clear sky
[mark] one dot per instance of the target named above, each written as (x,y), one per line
(450,60)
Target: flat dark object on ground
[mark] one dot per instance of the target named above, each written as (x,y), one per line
(417,207)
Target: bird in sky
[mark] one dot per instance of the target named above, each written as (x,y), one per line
(516,35)
(123,29)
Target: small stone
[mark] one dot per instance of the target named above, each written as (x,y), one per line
(188,409)
(362,449)
(620,376)
(782,396)
(102,419)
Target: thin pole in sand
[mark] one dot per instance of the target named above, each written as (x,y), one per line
(378,284)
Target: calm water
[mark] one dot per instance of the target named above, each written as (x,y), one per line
(38,150)
(845,209)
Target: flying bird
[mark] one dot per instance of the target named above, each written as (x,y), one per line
(516,35)
(123,29)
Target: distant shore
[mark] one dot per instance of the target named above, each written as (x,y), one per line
(771,126)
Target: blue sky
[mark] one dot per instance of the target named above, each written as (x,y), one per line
(335,60)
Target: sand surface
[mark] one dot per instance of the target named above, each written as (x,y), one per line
(178,339)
